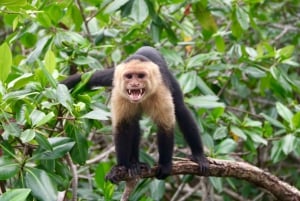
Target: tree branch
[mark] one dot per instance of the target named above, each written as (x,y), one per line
(223,168)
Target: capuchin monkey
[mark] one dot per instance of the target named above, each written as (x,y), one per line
(142,84)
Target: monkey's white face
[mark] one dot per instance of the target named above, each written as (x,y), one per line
(135,80)
(135,84)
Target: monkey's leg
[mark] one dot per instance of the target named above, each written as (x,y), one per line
(189,129)
(165,141)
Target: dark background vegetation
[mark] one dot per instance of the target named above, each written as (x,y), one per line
(237,62)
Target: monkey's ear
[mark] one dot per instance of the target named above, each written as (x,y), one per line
(81,86)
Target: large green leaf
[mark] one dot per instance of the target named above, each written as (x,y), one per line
(8,168)
(50,61)
(226,146)
(5,61)
(139,11)
(284,112)
(41,185)
(15,195)
(13,3)
(288,143)
(60,146)
(114,5)
(79,153)
(188,81)
(207,102)
(97,114)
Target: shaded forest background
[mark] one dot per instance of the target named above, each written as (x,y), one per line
(237,62)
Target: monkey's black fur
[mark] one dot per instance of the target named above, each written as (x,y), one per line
(129,136)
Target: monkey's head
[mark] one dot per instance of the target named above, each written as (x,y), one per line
(136,80)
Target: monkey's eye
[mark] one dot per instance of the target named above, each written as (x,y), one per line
(128,76)
(141,75)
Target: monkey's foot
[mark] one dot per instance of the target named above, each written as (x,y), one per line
(203,164)
(163,171)
(120,173)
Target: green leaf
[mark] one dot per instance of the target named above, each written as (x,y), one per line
(41,44)
(207,102)
(255,72)
(8,168)
(157,189)
(63,96)
(114,5)
(288,143)
(220,133)
(238,132)
(79,152)
(242,17)
(43,142)
(13,3)
(11,129)
(188,81)
(204,87)
(27,135)
(198,59)
(5,61)
(21,81)
(50,61)
(220,43)
(107,187)
(60,146)
(284,112)
(139,11)
(36,116)
(15,195)
(285,52)
(41,185)
(273,121)
(217,183)
(205,18)
(97,114)
(226,146)
(45,119)
(257,138)
(296,121)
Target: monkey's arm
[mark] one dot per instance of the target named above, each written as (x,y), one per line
(99,78)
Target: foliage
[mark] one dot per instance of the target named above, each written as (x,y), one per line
(237,63)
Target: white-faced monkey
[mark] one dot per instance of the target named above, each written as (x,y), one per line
(142,84)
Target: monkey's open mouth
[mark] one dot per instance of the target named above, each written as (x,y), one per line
(135,94)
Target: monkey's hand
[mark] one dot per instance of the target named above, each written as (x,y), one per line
(119,172)
(163,171)
(203,163)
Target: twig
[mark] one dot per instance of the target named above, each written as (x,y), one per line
(130,185)
(75,177)
(101,156)
(84,20)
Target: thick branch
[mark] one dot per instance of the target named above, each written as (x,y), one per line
(222,168)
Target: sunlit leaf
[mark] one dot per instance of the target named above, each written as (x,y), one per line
(288,143)
(115,5)
(139,11)
(242,17)
(15,195)
(27,135)
(205,102)
(227,146)
(41,185)
(8,168)
(97,114)
(284,112)
(5,61)
(50,61)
